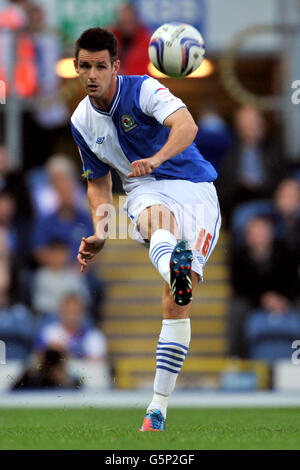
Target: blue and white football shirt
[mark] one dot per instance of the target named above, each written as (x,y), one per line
(133,129)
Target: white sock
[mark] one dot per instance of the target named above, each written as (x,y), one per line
(162,244)
(171,350)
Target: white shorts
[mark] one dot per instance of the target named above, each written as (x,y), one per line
(195,207)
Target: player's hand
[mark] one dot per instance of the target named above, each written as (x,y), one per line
(89,247)
(143,167)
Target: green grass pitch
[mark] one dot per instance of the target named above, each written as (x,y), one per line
(112,429)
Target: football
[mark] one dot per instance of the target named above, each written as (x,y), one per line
(176,49)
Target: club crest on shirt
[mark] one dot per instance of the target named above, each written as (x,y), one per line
(128,123)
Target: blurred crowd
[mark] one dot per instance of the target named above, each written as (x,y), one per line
(259,191)
(48,310)
(47,307)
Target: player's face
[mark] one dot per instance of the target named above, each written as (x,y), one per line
(96,73)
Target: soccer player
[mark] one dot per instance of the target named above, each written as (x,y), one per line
(136,126)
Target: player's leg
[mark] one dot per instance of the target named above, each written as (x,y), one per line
(170,309)
(172,348)
(203,233)
(172,258)
(175,335)
(158,226)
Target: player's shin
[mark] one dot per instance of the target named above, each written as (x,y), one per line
(162,244)
(171,351)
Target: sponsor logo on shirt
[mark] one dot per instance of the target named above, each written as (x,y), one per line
(165,95)
(100,140)
(128,123)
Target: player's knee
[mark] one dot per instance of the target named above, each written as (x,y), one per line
(144,224)
(172,311)
(156,217)
(160,217)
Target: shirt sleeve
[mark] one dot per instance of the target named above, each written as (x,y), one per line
(92,166)
(157,101)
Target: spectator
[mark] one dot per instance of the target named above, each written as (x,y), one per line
(213,138)
(37,50)
(14,18)
(263,264)
(17,328)
(133,38)
(70,334)
(68,222)
(270,331)
(262,269)
(51,373)
(48,49)
(45,184)
(287,214)
(7,214)
(254,165)
(14,183)
(55,279)
(15,234)
(283,209)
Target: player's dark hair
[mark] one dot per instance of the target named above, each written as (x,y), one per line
(97,39)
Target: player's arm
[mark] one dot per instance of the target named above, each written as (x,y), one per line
(158,102)
(100,198)
(99,193)
(182,134)
(183,130)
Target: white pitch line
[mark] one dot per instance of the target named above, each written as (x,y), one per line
(140,399)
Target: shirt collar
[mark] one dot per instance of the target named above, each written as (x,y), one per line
(114,102)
